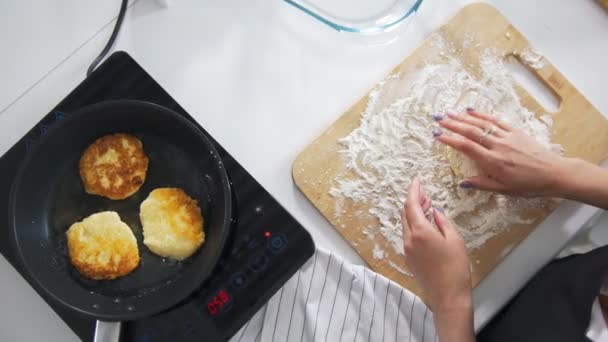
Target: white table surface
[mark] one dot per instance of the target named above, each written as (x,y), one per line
(264,80)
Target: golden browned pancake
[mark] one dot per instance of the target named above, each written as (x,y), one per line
(102,246)
(172,223)
(114,166)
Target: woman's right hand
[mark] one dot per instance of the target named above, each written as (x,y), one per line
(510,161)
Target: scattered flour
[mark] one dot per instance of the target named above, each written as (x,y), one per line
(532,58)
(400,269)
(378,252)
(394,143)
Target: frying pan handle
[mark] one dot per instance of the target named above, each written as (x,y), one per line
(107,331)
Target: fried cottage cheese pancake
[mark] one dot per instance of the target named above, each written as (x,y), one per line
(114,166)
(102,246)
(172,223)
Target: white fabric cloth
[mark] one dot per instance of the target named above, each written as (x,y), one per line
(332,300)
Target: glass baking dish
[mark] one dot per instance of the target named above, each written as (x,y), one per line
(359,16)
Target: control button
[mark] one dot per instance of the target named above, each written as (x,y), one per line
(238,280)
(253,243)
(258,262)
(277,242)
(249,241)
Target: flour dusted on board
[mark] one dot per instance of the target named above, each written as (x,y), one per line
(394,143)
(532,58)
(378,252)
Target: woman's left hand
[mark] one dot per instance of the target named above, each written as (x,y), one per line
(436,255)
(438,258)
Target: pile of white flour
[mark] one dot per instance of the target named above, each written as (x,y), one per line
(394,143)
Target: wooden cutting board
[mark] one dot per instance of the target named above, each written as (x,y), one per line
(578,127)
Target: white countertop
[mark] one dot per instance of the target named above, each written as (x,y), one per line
(264,80)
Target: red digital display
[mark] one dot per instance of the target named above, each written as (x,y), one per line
(216,304)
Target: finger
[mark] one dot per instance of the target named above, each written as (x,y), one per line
(425,201)
(477,122)
(413,211)
(444,224)
(469,131)
(483,183)
(469,148)
(407,231)
(489,118)
(426,205)
(440,220)
(447,228)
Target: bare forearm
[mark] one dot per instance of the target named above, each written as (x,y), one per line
(584,182)
(455,325)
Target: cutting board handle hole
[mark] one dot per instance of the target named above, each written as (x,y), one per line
(531,81)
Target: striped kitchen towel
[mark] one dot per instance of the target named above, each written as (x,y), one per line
(330,299)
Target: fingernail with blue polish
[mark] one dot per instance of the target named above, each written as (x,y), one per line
(470,109)
(437,117)
(466,185)
(440,209)
(436,133)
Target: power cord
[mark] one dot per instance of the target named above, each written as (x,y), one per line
(110,43)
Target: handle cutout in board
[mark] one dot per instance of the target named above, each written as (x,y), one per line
(529,79)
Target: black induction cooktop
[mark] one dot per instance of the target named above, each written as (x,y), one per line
(265,248)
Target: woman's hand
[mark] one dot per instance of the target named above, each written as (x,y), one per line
(438,259)
(436,255)
(511,161)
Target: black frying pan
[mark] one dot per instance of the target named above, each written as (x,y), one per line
(48,196)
